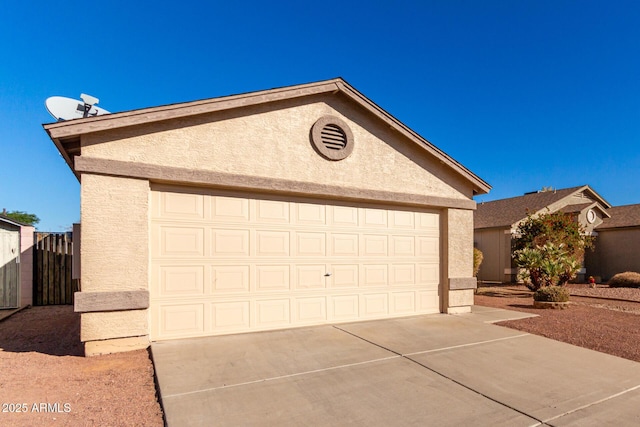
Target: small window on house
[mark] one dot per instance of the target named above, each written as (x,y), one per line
(332,138)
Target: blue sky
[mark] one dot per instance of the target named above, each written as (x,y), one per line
(525,94)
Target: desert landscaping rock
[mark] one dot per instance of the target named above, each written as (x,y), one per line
(551,305)
(606,325)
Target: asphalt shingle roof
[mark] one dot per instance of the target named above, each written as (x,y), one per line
(505,212)
(621,216)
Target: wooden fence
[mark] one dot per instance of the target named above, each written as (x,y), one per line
(52,266)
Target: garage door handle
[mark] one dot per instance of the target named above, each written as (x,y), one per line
(327,274)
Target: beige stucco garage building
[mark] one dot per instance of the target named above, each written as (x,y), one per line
(296,206)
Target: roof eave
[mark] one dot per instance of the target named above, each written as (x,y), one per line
(71,130)
(13,222)
(598,197)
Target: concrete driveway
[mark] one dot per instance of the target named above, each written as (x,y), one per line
(429,370)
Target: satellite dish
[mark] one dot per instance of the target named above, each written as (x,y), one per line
(62,108)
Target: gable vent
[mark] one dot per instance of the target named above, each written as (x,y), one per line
(332,138)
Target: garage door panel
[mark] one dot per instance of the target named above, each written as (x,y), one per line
(230,243)
(427,221)
(272,243)
(373,218)
(173,241)
(402,275)
(343,245)
(403,302)
(374,245)
(179,280)
(226,263)
(272,278)
(179,205)
(271,212)
(428,274)
(181,320)
(309,244)
(312,310)
(427,247)
(229,209)
(230,278)
(402,219)
(345,307)
(230,316)
(272,313)
(428,301)
(402,246)
(344,275)
(309,214)
(374,275)
(310,276)
(374,305)
(343,216)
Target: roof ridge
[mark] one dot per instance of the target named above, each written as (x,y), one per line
(534,194)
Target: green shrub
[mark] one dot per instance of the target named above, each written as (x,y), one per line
(477,260)
(628,279)
(551,294)
(549,249)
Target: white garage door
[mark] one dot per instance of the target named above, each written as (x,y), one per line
(232,262)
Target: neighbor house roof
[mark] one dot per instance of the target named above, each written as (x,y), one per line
(12,221)
(621,216)
(66,134)
(507,212)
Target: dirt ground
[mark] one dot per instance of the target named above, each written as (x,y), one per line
(46,381)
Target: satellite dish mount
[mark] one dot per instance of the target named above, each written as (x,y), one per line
(89,101)
(62,108)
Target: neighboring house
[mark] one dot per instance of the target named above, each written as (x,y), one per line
(617,247)
(16,263)
(288,207)
(495,224)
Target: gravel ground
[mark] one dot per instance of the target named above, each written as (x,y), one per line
(45,380)
(595,320)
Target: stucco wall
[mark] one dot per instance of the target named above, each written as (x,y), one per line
(229,141)
(616,251)
(459,258)
(115,233)
(114,324)
(460,241)
(114,252)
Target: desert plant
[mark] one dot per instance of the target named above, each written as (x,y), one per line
(551,294)
(549,249)
(628,279)
(547,265)
(477,260)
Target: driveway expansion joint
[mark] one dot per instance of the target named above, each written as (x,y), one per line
(297,374)
(434,350)
(597,402)
(406,356)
